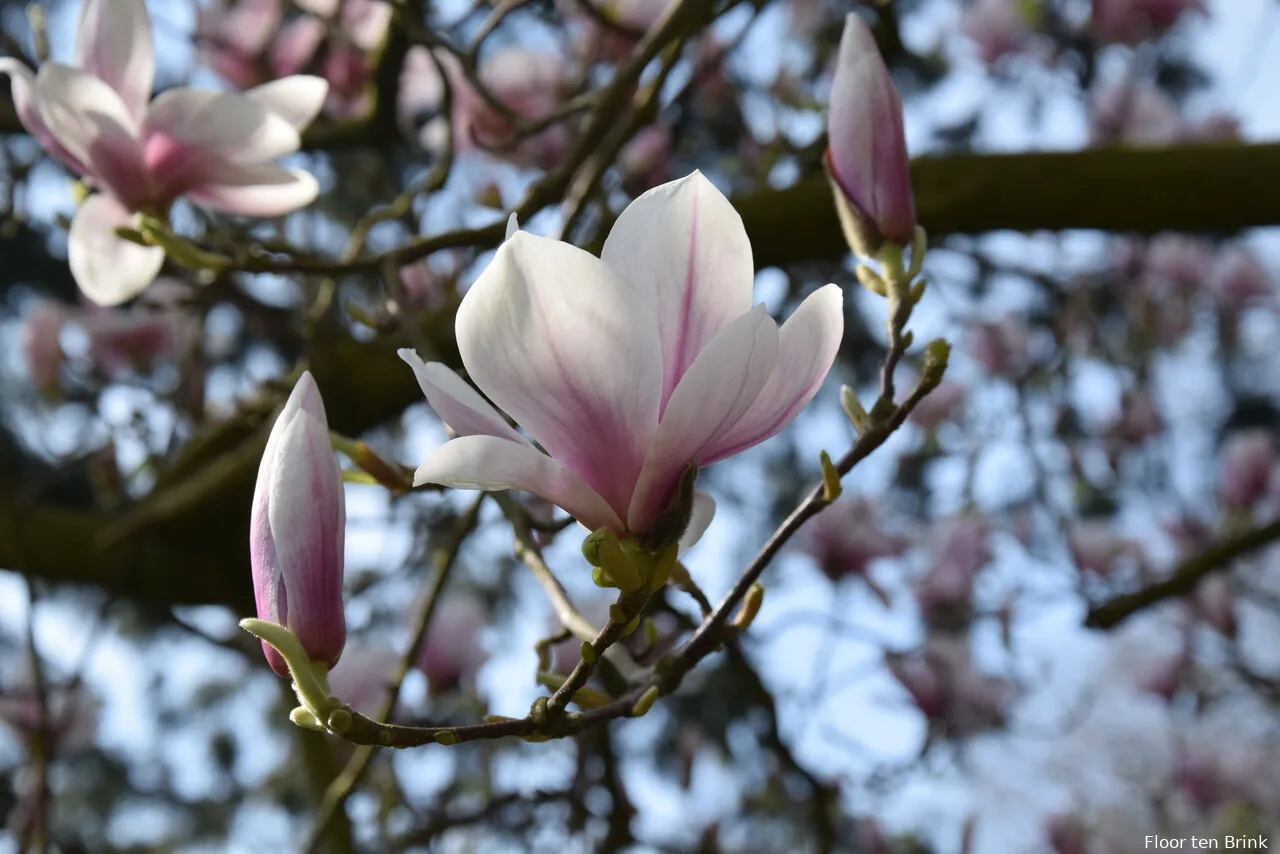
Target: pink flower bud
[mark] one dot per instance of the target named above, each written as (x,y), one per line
(451,654)
(1244,469)
(1096,547)
(1139,418)
(1214,602)
(297,530)
(946,688)
(1066,834)
(939,405)
(866,154)
(963,549)
(1132,21)
(996,27)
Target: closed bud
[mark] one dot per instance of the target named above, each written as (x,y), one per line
(866,154)
(297,531)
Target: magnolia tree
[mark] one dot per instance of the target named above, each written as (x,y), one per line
(591,426)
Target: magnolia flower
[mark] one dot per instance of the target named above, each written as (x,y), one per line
(643,161)
(1214,602)
(41,329)
(962,550)
(529,83)
(1003,348)
(349,33)
(214,148)
(1239,278)
(363,675)
(846,537)
(630,19)
(1132,21)
(1096,547)
(1139,418)
(135,339)
(996,27)
(451,653)
(232,39)
(1244,469)
(939,405)
(624,368)
(297,531)
(1135,113)
(946,688)
(866,154)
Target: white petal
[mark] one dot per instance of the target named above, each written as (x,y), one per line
(255,189)
(113,43)
(109,269)
(227,124)
(459,405)
(513,225)
(684,246)
(89,120)
(22,83)
(807,345)
(718,389)
(297,99)
(704,510)
(487,462)
(569,350)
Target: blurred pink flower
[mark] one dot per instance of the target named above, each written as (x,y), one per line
(846,537)
(600,43)
(1132,21)
(1003,348)
(1239,278)
(1135,113)
(1188,535)
(941,404)
(232,39)
(1139,419)
(946,688)
(1244,468)
(1214,602)
(136,339)
(643,161)
(71,714)
(1180,263)
(451,653)
(361,677)
(1096,547)
(961,550)
(529,83)
(996,27)
(1066,834)
(41,329)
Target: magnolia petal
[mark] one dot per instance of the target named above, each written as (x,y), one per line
(807,345)
(704,510)
(109,269)
(89,120)
(490,463)
(717,390)
(307,514)
(254,189)
(229,125)
(297,99)
(459,406)
(113,43)
(569,349)
(684,246)
(22,88)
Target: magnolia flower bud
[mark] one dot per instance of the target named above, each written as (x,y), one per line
(866,149)
(297,531)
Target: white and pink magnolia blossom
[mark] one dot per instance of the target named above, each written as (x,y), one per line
(1244,469)
(1096,547)
(996,27)
(1003,347)
(233,39)
(644,160)
(630,19)
(364,674)
(866,155)
(624,368)
(451,653)
(1214,602)
(41,330)
(947,689)
(529,83)
(214,148)
(1135,113)
(846,537)
(1132,21)
(1239,278)
(1177,263)
(297,530)
(137,338)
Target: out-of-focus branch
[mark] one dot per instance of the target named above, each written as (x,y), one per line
(1184,578)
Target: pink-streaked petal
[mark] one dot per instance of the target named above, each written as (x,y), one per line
(717,390)
(89,120)
(297,99)
(807,345)
(365,22)
(296,45)
(255,189)
(561,343)
(229,125)
(109,269)
(684,246)
(704,510)
(22,88)
(459,406)
(490,463)
(113,43)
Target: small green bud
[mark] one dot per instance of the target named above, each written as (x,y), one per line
(937,353)
(831,487)
(618,614)
(602,548)
(588,652)
(538,711)
(918,287)
(645,703)
(340,721)
(853,410)
(671,523)
(384,738)
(590,698)
(305,718)
(498,719)
(650,633)
(750,607)
(871,280)
(600,578)
(446,737)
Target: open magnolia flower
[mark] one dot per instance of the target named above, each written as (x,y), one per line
(215,148)
(624,368)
